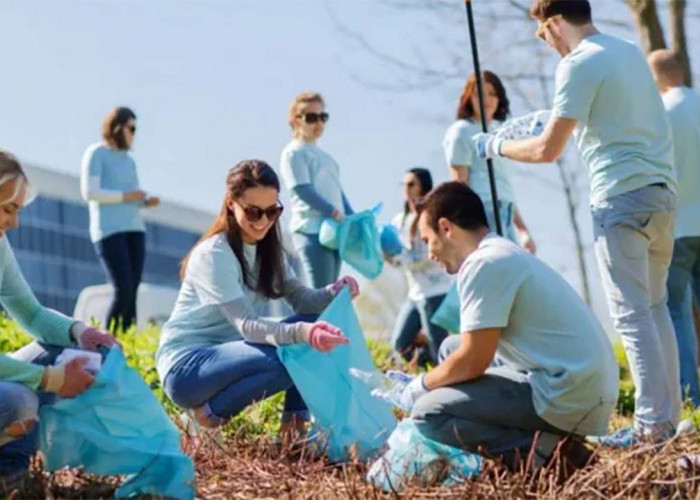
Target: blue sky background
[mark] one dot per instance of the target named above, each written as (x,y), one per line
(211,81)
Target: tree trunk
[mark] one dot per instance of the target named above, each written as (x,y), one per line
(647,20)
(678,38)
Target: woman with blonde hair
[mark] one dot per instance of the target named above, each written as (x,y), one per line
(28,377)
(313,179)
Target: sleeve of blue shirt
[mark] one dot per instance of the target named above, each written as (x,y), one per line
(457,147)
(216,276)
(576,84)
(346,205)
(487,292)
(44,324)
(311,197)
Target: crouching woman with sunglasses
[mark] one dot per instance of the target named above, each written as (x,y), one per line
(313,178)
(216,356)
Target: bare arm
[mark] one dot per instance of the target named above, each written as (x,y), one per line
(544,148)
(460,173)
(474,355)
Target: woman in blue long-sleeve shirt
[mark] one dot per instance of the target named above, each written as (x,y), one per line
(108,182)
(313,178)
(27,373)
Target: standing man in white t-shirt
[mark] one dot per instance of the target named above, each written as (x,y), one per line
(605,96)
(557,380)
(683,106)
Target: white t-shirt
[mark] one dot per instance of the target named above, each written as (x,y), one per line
(425,278)
(213,277)
(683,106)
(623,135)
(305,163)
(547,331)
(459,150)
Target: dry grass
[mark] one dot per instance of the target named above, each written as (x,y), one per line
(247,467)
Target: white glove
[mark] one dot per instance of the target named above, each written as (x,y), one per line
(414,390)
(487,145)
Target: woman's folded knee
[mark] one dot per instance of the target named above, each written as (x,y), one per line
(19,409)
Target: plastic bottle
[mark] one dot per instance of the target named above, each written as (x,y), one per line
(384,386)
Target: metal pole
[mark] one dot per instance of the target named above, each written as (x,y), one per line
(480,93)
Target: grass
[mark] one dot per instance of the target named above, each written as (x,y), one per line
(251,465)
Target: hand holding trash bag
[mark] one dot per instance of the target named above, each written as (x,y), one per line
(93,338)
(67,380)
(323,336)
(348,281)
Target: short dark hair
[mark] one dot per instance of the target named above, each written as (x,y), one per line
(456,202)
(113,127)
(576,12)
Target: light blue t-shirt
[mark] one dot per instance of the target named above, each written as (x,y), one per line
(547,331)
(623,134)
(305,163)
(683,106)
(117,171)
(213,277)
(459,150)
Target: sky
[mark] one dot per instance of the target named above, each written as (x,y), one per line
(211,81)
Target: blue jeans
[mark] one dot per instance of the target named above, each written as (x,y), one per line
(321,265)
(228,377)
(634,245)
(412,317)
(122,256)
(684,287)
(18,402)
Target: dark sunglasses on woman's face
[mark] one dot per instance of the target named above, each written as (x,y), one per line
(254,214)
(409,184)
(314,117)
(132,128)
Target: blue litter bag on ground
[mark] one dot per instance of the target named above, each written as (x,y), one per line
(344,410)
(447,315)
(412,457)
(117,426)
(389,240)
(359,243)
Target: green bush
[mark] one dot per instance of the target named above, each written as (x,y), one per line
(263,418)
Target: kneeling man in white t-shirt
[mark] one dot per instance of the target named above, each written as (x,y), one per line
(557,377)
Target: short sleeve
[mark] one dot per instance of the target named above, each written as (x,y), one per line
(294,167)
(576,85)
(487,292)
(215,274)
(457,146)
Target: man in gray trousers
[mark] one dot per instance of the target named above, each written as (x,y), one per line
(558,378)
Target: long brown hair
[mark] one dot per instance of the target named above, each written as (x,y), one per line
(465,110)
(269,263)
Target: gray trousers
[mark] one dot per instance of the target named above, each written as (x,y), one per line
(493,415)
(634,246)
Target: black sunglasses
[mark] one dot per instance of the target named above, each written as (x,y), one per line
(254,214)
(314,117)
(132,128)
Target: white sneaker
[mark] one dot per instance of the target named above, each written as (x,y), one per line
(196,431)
(686,427)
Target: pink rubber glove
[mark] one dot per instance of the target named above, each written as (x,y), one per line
(93,338)
(348,281)
(325,337)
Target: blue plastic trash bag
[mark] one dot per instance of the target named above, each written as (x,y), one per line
(412,457)
(117,426)
(344,410)
(328,234)
(359,244)
(447,315)
(389,240)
